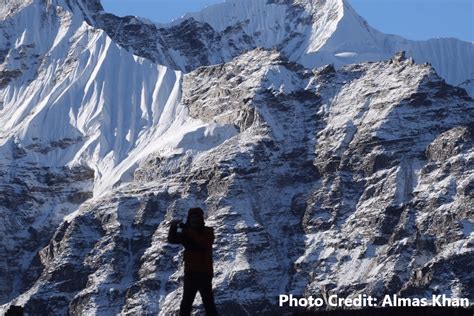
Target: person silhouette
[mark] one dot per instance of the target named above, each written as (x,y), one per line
(197,240)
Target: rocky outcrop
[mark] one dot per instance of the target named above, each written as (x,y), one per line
(34,201)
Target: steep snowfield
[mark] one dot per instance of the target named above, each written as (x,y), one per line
(267,22)
(453,59)
(107,108)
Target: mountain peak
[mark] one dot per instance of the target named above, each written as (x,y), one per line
(272,19)
(91,5)
(89,8)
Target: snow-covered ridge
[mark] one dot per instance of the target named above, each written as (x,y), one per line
(310,32)
(73,85)
(336,34)
(271,22)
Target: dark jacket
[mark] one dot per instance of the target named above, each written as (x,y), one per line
(197,244)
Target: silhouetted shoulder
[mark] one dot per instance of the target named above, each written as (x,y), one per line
(209,229)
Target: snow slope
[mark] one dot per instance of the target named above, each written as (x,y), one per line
(107,108)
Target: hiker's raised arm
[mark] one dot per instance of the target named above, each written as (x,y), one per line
(173,236)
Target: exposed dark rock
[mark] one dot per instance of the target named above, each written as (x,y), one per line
(8,75)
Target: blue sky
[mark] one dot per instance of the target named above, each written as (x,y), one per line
(413,19)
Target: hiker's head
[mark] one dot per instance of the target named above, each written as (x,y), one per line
(195,217)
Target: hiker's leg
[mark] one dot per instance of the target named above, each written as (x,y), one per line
(190,288)
(205,289)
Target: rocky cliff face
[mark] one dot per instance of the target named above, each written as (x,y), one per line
(347,180)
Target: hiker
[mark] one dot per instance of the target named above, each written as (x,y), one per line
(197,240)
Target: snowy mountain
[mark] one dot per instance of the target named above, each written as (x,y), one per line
(311,32)
(352,179)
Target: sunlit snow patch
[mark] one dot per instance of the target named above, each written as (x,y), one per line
(346,55)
